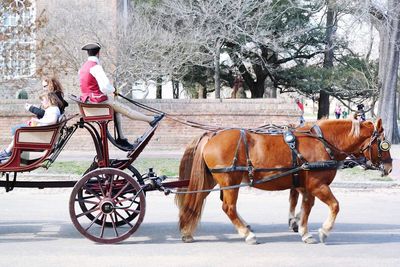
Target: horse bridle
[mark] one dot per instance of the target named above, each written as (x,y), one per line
(382,143)
(383,146)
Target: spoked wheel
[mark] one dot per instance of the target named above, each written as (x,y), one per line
(84,206)
(102,205)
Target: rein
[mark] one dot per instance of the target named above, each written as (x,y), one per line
(171,117)
(272,129)
(329,164)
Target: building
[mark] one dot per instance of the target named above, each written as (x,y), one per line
(27,48)
(17,46)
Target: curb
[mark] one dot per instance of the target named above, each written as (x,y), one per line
(365,184)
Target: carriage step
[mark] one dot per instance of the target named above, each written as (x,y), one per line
(37,184)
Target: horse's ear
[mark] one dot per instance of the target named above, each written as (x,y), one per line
(378,125)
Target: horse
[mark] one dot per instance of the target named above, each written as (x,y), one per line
(231,157)
(356,159)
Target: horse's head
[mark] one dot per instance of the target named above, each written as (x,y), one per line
(376,150)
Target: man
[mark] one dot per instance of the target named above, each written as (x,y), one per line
(96,88)
(301,107)
(361,112)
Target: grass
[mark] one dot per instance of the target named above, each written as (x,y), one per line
(170,167)
(359,174)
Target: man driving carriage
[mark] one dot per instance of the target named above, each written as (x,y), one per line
(95,88)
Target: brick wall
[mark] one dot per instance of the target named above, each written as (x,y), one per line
(170,134)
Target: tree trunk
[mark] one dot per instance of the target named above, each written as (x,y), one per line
(257,90)
(257,87)
(323,105)
(217,78)
(175,89)
(159,88)
(383,46)
(323,102)
(398,106)
(270,89)
(390,67)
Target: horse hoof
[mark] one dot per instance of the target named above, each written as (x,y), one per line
(309,239)
(187,239)
(251,239)
(322,235)
(293,225)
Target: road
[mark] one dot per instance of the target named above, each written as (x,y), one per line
(35,230)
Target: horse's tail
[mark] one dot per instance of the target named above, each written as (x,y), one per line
(193,167)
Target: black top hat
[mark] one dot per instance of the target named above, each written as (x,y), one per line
(91,46)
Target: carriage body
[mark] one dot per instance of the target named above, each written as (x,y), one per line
(118,195)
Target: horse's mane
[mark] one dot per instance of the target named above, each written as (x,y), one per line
(355,125)
(355,128)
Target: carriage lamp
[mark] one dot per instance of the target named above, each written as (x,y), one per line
(384,145)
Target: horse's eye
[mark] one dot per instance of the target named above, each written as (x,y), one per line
(385,145)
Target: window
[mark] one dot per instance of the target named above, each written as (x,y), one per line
(10,19)
(17,43)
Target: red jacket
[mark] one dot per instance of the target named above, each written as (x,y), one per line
(90,89)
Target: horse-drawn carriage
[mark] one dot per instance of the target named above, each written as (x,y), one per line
(108,203)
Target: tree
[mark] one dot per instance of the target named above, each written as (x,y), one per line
(289,36)
(278,41)
(387,23)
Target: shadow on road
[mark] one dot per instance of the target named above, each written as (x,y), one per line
(160,233)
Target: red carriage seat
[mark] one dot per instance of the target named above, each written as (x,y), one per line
(33,145)
(94,112)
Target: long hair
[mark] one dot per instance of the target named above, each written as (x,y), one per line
(54,100)
(54,85)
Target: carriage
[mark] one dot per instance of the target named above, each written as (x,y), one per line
(108,203)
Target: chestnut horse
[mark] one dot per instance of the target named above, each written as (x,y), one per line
(233,156)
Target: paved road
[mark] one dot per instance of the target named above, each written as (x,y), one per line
(35,230)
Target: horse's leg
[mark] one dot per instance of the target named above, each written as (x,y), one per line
(293,198)
(325,194)
(307,204)
(229,207)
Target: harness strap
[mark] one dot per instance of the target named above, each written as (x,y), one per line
(290,140)
(234,168)
(250,167)
(295,176)
(321,138)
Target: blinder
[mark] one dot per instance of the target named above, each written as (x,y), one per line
(383,146)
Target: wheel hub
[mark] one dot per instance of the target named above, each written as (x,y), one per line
(107,207)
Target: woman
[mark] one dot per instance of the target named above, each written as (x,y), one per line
(51,103)
(50,85)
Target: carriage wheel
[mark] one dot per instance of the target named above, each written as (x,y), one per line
(118,221)
(110,196)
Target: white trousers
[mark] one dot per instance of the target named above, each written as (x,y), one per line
(125,110)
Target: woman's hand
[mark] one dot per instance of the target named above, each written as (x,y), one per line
(27,106)
(33,122)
